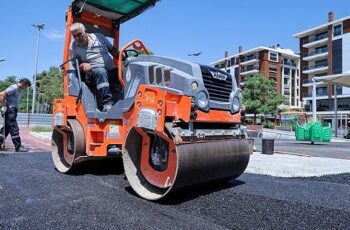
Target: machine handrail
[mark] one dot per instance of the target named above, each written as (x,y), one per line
(78,73)
(136,45)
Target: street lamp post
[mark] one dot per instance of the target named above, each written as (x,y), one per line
(39,27)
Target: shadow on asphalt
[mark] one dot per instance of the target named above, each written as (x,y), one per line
(193,192)
(99,167)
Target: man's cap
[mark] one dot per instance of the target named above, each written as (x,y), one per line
(26,81)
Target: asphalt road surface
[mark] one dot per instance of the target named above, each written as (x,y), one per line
(33,195)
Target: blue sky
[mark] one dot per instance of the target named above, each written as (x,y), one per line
(173,28)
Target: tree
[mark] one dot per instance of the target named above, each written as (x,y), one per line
(260,97)
(9,80)
(49,87)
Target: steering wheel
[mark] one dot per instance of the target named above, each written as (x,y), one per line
(129,53)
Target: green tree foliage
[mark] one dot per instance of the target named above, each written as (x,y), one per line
(10,80)
(260,96)
(49,86)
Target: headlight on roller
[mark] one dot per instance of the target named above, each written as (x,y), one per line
(202,99)
(235,104)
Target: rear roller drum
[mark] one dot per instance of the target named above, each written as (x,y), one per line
(154,166)
(67,146)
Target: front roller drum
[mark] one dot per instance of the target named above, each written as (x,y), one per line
(154,165)
(67,146)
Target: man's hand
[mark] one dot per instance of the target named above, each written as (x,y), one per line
(3,110)
(86,67)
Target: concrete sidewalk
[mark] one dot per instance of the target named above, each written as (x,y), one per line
(285,165)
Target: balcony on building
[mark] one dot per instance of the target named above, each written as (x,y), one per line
(289,64)
(315,68)
(316,54)
(287,87)
(248,60)
(249,70)
(316,41)
(309,82)
(308,96)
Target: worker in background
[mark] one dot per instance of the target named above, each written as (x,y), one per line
(92,51)
(9,98)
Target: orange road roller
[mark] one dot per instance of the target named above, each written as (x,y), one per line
(174,123)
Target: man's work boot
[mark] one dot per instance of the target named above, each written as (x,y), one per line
(22,149)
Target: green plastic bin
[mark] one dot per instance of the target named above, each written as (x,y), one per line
(313,132)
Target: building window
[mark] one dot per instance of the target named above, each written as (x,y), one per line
(228,63)
(250,67)
(337,30)
(322,91)
(273,56)
(237,60)
(273,68)
(273,78)
(322,35)
(286,71)
(320,74)
(321,63)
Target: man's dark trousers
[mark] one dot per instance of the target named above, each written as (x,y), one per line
(11,127)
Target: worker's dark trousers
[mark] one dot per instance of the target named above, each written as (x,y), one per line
(11,127)
(103,94)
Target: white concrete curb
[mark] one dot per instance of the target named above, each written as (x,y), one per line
(44,136)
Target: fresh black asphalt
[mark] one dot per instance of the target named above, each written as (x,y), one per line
(33,195)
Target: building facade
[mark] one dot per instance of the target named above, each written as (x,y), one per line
(274,63)
(324,51)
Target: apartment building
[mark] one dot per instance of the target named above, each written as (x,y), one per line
(324,51)
(274,63)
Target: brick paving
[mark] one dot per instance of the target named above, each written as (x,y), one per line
(34,144)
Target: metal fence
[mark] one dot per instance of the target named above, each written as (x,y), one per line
(35,119)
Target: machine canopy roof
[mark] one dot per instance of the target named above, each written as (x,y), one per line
(119,10)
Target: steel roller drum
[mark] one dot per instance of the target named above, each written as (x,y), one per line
(195,163)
